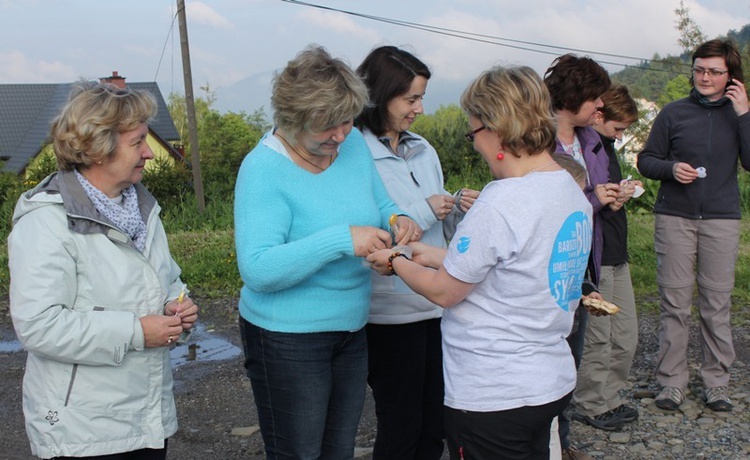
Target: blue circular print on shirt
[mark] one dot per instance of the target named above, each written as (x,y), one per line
(569,259)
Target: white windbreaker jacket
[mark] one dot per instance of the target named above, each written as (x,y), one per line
(410,181)
(78,288)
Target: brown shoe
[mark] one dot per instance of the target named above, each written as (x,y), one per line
(572,453)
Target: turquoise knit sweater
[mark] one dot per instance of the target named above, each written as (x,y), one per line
(294,246)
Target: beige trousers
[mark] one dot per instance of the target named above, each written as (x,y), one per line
(689,250)
(609,346)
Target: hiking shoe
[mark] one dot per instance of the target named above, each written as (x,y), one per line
(717,400)
(608,421)
(670,398)
(627,414)
(572,453)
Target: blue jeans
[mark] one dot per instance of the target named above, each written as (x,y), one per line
(309,390)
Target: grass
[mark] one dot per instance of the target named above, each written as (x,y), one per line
(207,258)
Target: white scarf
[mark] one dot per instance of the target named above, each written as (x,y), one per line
(122,211)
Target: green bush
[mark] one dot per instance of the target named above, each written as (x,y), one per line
(169,182)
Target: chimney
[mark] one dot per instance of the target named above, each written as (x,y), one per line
(114,79)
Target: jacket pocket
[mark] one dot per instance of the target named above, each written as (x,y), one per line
(70,384)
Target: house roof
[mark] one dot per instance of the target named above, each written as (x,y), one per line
(26,111)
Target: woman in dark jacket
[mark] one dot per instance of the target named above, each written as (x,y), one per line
(693,150)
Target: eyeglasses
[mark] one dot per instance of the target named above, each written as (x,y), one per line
(470,135)
(711,72)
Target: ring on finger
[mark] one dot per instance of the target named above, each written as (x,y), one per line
(170,339)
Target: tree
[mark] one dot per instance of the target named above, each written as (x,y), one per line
(462,167)
(676,88)
(691,34)
(224,140)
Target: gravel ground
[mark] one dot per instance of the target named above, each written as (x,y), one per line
(218,421)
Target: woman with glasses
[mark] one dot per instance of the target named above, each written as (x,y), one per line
(95,296)
(510,279)
(693,149)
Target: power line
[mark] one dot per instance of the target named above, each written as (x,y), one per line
(163,49)
(483,38)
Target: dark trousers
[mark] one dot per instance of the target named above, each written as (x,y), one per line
(514,434)
(576,341)
(141,454)
(405,372)
(309,390)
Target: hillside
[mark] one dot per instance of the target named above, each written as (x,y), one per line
(649,79)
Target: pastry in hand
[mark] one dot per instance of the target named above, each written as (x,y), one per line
(601,305)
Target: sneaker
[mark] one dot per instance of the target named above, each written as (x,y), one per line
(717,400)
(572,453)
(627,414)
(670,398)
(608,421)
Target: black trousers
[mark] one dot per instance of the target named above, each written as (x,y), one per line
(405,372)
(141,454)
(514,434)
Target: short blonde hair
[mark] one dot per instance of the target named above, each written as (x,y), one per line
(316,92)
(88,126)
(514,103)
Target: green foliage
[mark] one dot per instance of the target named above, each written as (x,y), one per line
(40,167)
(224,141)
(184,217)
(170,183)
(645,203)
(677,88)
(11,187)
(445,130)
(209,266)
(649,79)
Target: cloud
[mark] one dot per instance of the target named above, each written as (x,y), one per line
(340,23)
(202,14)
(20,69)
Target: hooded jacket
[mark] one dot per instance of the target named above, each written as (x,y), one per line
(410,181)
(708,135)
(79,286)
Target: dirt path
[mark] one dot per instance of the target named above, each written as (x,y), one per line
(218,421)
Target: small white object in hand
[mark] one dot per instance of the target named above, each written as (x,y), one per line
(701,172)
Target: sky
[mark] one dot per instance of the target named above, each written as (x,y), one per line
(237,45)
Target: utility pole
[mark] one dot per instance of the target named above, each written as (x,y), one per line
(190,101)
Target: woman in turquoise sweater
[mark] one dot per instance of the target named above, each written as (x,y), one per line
(309,205)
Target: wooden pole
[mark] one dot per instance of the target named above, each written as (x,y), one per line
(190,102)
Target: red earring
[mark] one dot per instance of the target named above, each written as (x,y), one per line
(500,155)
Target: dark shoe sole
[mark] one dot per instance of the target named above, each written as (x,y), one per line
(720,406)
(667,404)
(611,425)
(627,417)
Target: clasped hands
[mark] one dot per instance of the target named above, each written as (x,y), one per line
(368,240)
(163,330)
(421,253)
(616,195)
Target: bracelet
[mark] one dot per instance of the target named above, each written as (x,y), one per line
(390,261)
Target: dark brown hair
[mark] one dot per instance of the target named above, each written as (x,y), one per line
(573,80)
(724,49)
(388,72)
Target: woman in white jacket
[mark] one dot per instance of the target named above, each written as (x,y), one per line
(95,295)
